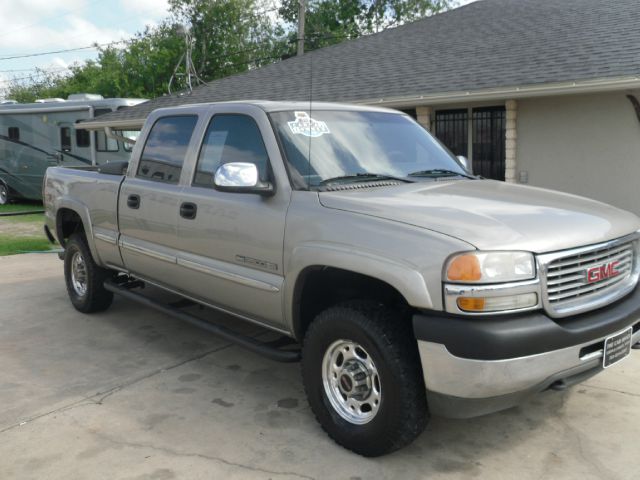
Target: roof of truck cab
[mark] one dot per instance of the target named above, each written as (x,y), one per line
(283,106)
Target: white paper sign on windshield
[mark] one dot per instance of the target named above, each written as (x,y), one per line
(307,126)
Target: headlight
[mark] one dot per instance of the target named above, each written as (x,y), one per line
(490,267)
(491,282)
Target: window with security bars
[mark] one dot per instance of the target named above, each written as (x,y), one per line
(487,125)
(451,128)
(488,147)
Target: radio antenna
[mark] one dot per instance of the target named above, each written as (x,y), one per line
(300,51)
(310,111)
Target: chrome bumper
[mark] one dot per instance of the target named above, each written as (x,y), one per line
(461,387)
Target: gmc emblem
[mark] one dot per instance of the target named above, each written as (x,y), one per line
(602,272)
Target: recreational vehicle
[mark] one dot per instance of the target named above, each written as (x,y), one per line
(35,136)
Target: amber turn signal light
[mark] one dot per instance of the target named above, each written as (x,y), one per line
(471,304)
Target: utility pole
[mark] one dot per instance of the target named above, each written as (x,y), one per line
(301,12)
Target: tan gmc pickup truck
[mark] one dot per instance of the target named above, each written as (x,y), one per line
(412,287)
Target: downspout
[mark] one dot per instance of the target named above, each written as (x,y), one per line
(636,105)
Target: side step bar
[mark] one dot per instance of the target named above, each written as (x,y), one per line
(219,330)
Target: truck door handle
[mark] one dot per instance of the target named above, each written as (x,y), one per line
(133,201)
(188,210)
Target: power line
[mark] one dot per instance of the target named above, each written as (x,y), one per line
(35,75)
(40,54)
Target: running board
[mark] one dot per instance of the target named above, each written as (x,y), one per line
(249,343)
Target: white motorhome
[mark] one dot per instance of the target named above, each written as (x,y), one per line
(35,136)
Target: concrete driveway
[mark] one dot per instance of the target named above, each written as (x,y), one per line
(132,394)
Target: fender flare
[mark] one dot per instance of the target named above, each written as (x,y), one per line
(399,274)
(83,212)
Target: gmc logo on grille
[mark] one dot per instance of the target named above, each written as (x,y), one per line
(602,272)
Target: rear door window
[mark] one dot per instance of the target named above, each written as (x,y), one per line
(166,148)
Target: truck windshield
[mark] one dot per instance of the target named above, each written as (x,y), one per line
(330,147)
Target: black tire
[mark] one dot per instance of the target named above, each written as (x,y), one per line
(5,198)
(95,297)
(388,338)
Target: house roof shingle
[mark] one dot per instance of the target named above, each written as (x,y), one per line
(486,44)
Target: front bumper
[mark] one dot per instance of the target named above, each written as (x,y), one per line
(475,366)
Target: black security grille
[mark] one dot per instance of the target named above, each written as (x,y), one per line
(488,142)
(451,128)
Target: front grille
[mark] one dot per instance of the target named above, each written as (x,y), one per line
(568,287)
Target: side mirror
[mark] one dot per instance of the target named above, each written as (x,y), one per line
(466,163)
(241,177)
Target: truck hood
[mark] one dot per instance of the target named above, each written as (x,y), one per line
(491,215)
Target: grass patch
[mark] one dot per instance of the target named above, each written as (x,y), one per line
(22,233)
(10,245)
(32,218)
(21,207)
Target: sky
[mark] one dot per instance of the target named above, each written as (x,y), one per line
(37,26)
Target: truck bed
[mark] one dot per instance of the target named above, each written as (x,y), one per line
(92,194)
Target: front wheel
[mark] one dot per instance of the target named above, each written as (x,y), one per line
(362,375)
(84,278)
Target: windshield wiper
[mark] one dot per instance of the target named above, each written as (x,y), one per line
(364,177)
(438,172)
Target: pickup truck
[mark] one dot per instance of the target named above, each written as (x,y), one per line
(410,287)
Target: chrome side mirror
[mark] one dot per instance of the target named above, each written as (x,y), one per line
(241,177)
(466,163)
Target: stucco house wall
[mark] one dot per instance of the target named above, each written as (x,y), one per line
(583,144)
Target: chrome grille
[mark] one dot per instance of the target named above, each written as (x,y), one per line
(568,290)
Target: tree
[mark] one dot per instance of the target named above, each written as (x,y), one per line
(333,21)
(229,36)
(141,69)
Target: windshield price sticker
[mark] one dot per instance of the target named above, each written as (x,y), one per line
(307,126)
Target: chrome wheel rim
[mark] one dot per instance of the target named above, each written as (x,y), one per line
(4,196)
(351,382)
(79,274)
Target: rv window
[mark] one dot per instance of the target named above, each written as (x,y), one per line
(14,133)
(131,134)
(104,144)
(165,149)
(65,139)
(82,138)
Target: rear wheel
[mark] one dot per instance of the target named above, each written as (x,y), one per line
(84,278)
(362,375)
(4,194)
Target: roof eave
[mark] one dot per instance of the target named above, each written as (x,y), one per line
(514,92)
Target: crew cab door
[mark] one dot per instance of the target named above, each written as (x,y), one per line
(150,198)
(232,243)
